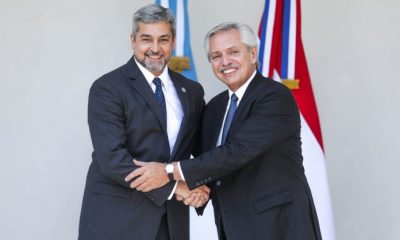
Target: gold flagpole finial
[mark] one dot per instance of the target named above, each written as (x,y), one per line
(292,84)
(179,64)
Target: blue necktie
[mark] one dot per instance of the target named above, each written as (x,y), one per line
(160,99)
(229,117)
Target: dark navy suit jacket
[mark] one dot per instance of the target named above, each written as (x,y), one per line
(125,122)
(261,191)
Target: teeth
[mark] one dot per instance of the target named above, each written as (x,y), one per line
(154,56)
(228,70)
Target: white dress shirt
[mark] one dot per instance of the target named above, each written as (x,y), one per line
(172,102)
(239,93)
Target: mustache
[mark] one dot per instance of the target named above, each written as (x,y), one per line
(231,65)
(151,53)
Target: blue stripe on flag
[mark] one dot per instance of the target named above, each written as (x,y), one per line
(264,22)
(189,73)
(172,7)
(187,51)
(285,39)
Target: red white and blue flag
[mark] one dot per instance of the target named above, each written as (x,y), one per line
(281,57)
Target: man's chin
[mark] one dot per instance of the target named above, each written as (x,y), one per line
(153,66)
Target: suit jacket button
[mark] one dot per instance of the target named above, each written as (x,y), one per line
(218,183)
(197,183)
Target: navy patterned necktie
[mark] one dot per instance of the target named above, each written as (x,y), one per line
(229,117)
(160,99)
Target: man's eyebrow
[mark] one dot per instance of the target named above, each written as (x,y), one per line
(145,35)
(165,36)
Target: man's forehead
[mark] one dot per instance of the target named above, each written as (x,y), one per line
(222,48)
(225,46)
(154,26)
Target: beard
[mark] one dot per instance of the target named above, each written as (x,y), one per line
(153,65)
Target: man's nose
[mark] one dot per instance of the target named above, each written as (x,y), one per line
(226,60)
(155,47)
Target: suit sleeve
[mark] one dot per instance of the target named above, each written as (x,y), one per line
(106,120)
(197,138)
(273,118)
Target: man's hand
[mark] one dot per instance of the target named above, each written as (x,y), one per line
(195,198)
(149,176)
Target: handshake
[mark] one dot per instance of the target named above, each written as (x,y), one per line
(152,175)
(195,198)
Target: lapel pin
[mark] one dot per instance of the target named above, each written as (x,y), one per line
(183,89)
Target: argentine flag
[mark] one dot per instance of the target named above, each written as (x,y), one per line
(182,61)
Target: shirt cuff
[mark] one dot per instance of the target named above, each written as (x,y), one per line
(180,172)
(173,190)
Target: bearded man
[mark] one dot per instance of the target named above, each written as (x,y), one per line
(144,111)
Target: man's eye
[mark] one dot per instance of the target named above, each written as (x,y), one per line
(215,57)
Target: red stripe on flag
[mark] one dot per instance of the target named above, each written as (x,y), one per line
(305,96)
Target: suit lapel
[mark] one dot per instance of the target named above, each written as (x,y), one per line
(216,124)
(245,103)
(181,90)
(138,82)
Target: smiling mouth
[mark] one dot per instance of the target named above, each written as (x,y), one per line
(154,56)
(227,71)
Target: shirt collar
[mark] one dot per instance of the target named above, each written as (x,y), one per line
(240,92)
(150,76)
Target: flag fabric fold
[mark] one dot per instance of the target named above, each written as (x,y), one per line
(282,57)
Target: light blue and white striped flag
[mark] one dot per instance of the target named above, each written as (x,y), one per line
(183,59)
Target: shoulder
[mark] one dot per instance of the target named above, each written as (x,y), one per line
(272,95)
(111,78)
(182,81)
(269,83)
(264,86)
(111,85)
(219,99)
(114,82)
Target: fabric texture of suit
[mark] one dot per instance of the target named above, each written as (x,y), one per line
(259,189)
(125,122)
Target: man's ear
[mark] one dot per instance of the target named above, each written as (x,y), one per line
(132,40)
(173,43)
(253,54)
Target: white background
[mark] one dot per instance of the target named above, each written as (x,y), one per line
(51,52)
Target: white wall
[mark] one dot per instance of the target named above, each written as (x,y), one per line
(51,52)
(353,49)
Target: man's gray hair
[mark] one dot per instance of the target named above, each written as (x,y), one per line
(246,34)
(153,13)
